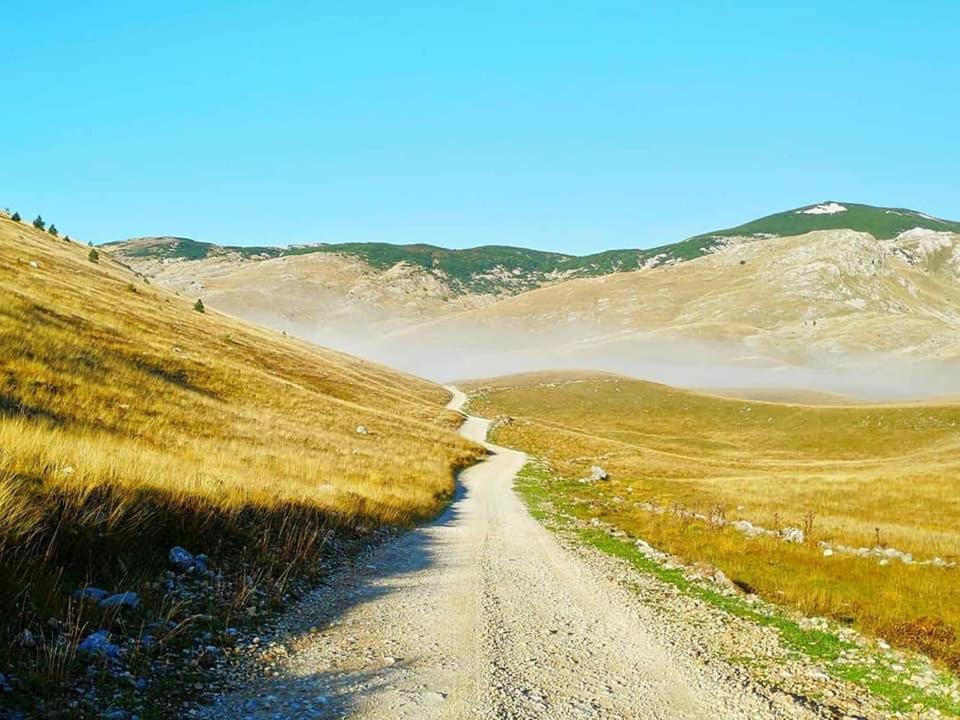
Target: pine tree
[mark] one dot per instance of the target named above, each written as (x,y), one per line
(39,224)
(53,230)
(198,306)
(15,217)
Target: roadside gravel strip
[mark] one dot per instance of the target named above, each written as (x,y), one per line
(484,614)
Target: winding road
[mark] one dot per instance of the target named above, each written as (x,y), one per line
(483,614)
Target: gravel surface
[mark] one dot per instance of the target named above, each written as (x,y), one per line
(484,613)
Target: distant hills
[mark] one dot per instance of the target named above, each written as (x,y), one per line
(820,284)
(469,270)
(500,269)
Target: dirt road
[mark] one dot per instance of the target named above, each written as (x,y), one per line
(482,614)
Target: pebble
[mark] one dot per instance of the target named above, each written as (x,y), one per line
(121,600)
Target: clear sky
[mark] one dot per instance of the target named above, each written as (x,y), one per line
(573,126)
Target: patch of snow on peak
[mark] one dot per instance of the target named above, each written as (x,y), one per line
(830,208)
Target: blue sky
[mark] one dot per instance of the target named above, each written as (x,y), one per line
(559,125)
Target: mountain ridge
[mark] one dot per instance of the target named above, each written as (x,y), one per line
(474,270)
(745,297)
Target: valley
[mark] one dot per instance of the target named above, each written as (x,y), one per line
(472,361)
(831,308)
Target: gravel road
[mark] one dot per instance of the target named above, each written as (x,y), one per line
(484,614)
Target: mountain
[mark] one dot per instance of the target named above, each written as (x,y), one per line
(881,222)
(812,286)
(744,313)
(132,421)
(488,269)
(329,292)
(497,269)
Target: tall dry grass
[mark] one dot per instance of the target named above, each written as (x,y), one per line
(855,475)
(130,422)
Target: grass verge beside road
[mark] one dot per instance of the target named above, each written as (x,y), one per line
(877,477)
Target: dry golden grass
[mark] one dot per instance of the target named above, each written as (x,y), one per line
(129,420)
(848,474)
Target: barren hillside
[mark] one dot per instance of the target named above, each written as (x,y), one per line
(823,299)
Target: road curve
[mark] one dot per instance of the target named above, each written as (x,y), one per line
(482,614)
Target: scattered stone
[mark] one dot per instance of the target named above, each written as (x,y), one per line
(597,474)
(362,430)
(121,600)
(748,528)
(208,656)
(794,535)
(181,558)
(433,697)
(98,644)
(26,640)
(89,593)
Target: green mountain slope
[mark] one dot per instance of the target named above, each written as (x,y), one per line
(883,223)
(498,268)
(473,268)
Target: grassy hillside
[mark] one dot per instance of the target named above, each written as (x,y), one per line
(485,269)
(131,422)
(855,476)
(470,268)
(882,223)
(186,249)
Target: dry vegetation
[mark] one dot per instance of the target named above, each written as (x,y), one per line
(856,475)
(130,422)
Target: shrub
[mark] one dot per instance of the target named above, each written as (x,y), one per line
(66,238)
(38,223)
(198,306)
(53,230)
(15,217)
(94,256)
